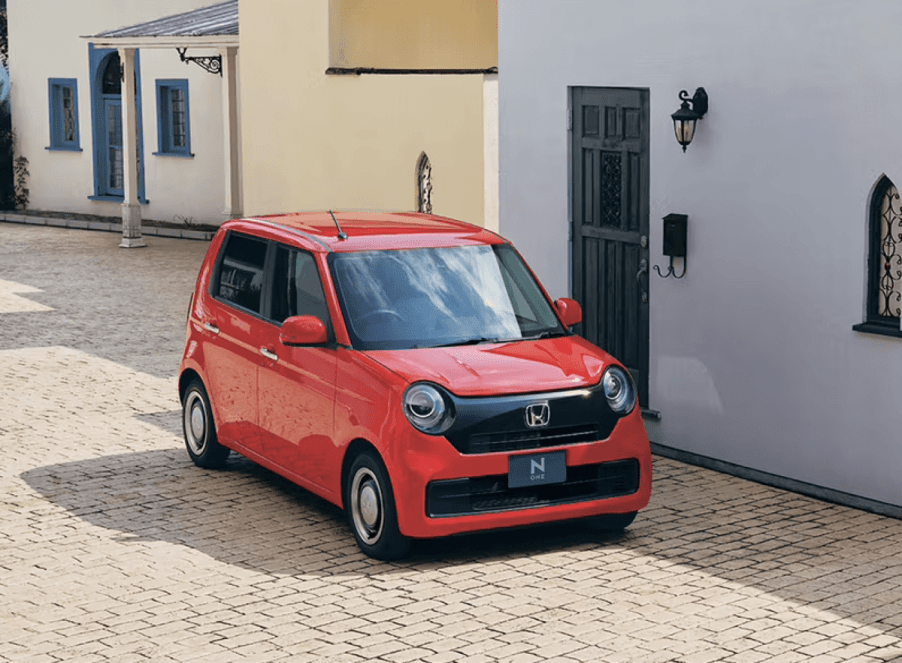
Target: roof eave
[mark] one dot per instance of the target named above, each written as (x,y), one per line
(168,41)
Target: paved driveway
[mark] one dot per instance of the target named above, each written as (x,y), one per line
(114,547)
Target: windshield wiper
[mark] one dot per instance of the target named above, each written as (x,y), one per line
(546,334)
(471,341)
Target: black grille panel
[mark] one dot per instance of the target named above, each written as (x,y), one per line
(458,497)
(531,439)
(493,424)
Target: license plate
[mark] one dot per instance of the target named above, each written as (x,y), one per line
(537,469)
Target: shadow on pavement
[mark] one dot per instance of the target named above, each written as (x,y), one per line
(736,533)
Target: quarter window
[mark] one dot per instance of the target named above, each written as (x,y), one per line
(240,279)
(173,121)
(63,114)
(884,304)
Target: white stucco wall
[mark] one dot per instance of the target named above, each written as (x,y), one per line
(45,42)
(753,358)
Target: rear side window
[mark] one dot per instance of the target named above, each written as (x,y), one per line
(296,288)
(240,278)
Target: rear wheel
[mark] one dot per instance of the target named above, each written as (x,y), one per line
(200,431)
(370,504)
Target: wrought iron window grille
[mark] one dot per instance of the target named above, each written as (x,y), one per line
(884,291)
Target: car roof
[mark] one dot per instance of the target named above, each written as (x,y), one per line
(368,231)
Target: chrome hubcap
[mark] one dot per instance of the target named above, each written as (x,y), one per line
(366,505)
(369,508)
(198,422)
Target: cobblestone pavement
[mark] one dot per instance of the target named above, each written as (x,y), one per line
(113,547)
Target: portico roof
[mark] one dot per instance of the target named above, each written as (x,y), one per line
(216,25)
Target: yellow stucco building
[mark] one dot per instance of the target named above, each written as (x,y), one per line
(370,104)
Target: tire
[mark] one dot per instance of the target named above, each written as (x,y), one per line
(370,505)
(613,522)
(200,430)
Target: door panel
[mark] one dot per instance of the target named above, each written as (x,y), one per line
(296,385)
(233,359)
(610,222)
(112,150)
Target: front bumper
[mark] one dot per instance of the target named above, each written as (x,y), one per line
(440,491)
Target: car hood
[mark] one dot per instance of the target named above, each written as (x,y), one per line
(550,364)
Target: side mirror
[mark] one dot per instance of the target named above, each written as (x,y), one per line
(303,330)
(569,310)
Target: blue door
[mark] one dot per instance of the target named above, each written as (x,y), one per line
(106,107)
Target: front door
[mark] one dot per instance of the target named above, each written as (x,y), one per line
(610,222)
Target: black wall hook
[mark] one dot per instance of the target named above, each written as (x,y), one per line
(671,271)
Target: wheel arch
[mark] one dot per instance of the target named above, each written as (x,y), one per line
(354,449)
(185,379)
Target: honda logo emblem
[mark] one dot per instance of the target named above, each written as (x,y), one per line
(538,414)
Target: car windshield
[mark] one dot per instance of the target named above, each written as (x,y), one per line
(463,295)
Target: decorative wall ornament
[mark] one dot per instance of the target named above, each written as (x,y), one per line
(424,184)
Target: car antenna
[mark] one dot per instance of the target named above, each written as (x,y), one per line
(341,233)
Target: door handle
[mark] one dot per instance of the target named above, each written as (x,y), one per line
(210,327)
(269,354)
(643,269)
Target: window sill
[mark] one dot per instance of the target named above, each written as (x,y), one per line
(63,149)
(178,155)
(874,328)
(116,199)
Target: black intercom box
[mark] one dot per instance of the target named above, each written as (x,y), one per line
(674,243)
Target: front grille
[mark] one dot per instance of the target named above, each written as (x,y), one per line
(531,439)
(458,497)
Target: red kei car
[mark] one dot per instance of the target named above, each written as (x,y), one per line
(410,369)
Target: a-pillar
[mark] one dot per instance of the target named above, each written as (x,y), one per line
(231,134)
(131,210)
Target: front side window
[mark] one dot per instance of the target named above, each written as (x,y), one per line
(884,300)
(240,276)
(296,287)
(63,114)
(172,113)
(403,299)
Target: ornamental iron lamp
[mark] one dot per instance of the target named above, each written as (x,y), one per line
(685,118)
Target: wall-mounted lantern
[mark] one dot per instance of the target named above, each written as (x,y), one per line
(685,118)
(674,244)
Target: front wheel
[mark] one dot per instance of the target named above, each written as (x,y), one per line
(200,431)
(370,505)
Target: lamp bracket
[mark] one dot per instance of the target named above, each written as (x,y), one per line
(212,63)
(699,101)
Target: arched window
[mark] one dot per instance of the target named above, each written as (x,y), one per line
(424,184)
(884,304)
(111,83)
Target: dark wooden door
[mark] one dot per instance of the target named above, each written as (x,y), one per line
(610,222)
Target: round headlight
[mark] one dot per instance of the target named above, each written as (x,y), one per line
(619,390)
(427,410)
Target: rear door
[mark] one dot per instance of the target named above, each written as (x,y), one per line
(232,346)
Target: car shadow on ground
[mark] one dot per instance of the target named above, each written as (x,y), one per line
(736,533)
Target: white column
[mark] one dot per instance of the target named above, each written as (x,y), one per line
(490,140)
(131,210)
(231,133)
